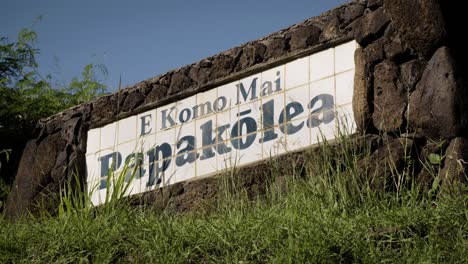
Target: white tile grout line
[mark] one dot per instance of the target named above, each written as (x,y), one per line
(334,89)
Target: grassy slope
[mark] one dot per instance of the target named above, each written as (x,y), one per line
(327,215)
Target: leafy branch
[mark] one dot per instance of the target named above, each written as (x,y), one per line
(25,96)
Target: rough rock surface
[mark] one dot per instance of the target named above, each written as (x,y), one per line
(371,27)
(390,98)
(456,162)
(49,161)
(418,27)
(433,105)
(363,92)
(406,78)
(386,163)
(431,158)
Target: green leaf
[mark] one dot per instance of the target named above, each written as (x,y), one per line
(27,36)
(435,159)
(26,96)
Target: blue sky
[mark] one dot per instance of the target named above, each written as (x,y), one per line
(140,39)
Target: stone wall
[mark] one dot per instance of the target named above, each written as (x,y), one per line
(409,84)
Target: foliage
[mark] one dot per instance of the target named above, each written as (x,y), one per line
(4,188)
(25,96)
(5,152)
(325,211)
(87,88)
(322,212)
(75,199)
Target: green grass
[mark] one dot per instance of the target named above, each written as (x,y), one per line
(324,211)
(4,187)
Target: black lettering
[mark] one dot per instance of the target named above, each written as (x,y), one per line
(252,91)
(202,110)
(167,117)
(185,115)
(187,154)
(144,124)
(134,164)
(109,162)
(291,110)
(268,113)
(267,89)
(159,161)
(326,109)
(220,104)
(278,82)
(209,142)
(250,126)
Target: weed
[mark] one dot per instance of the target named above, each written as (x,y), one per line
(317,207)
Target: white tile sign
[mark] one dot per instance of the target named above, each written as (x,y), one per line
(283,109)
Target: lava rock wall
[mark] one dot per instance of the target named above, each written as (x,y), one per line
(410,84)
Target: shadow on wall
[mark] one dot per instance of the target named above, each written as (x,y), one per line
(15,141)
(454,15)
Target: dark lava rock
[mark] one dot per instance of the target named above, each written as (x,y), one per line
(374,4)
(456,162)
(252,53)
(37,162)
(277,46)
(223,64)
(362,106)
(331,30)
(374,52)
(384,165)
(433,105)
(418,27)
(304,36)
(371,27)
(389,98)
(410,73)
(132,101)
(104,108)
(180,81)
(200,72)
(157,93)
(351,13)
